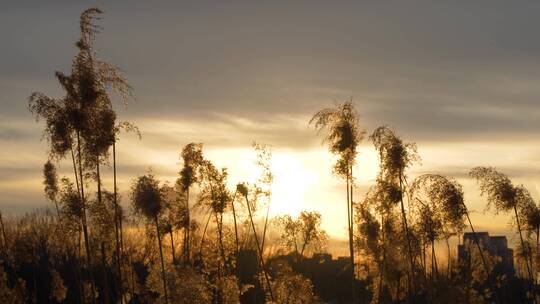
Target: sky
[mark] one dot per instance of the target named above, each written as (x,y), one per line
(460,79)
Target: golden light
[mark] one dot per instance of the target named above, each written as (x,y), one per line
(292,181)
(294,176)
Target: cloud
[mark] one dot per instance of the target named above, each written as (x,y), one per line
(438,71)
(462,173)
(10,134)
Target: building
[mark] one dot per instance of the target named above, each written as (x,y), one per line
(497,246)
(331,277)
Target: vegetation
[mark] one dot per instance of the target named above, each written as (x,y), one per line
(91,250)
(343,136)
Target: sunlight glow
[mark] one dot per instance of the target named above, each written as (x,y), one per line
(292,181)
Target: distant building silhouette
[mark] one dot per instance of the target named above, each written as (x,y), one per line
(331,277)
(495,245)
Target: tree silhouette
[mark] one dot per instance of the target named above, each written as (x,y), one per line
(147,200)
(85,115)
(439,203)
(50,180)
(441,212)
(118,213)
(264,182)
(503,196)
(102,212)
(380,240)
(371,245)
(70,204)
(235,222)
(395,157)
(193,158)
(243,190)
(343,136)
(302,232)
(215,195)
(530,219)
(444,196)
(174,215)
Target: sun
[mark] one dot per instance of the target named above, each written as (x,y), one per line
(294,176)
(292,181)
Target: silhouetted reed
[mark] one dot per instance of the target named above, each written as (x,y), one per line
(343,135)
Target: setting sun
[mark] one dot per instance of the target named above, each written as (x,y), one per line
(292,182)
